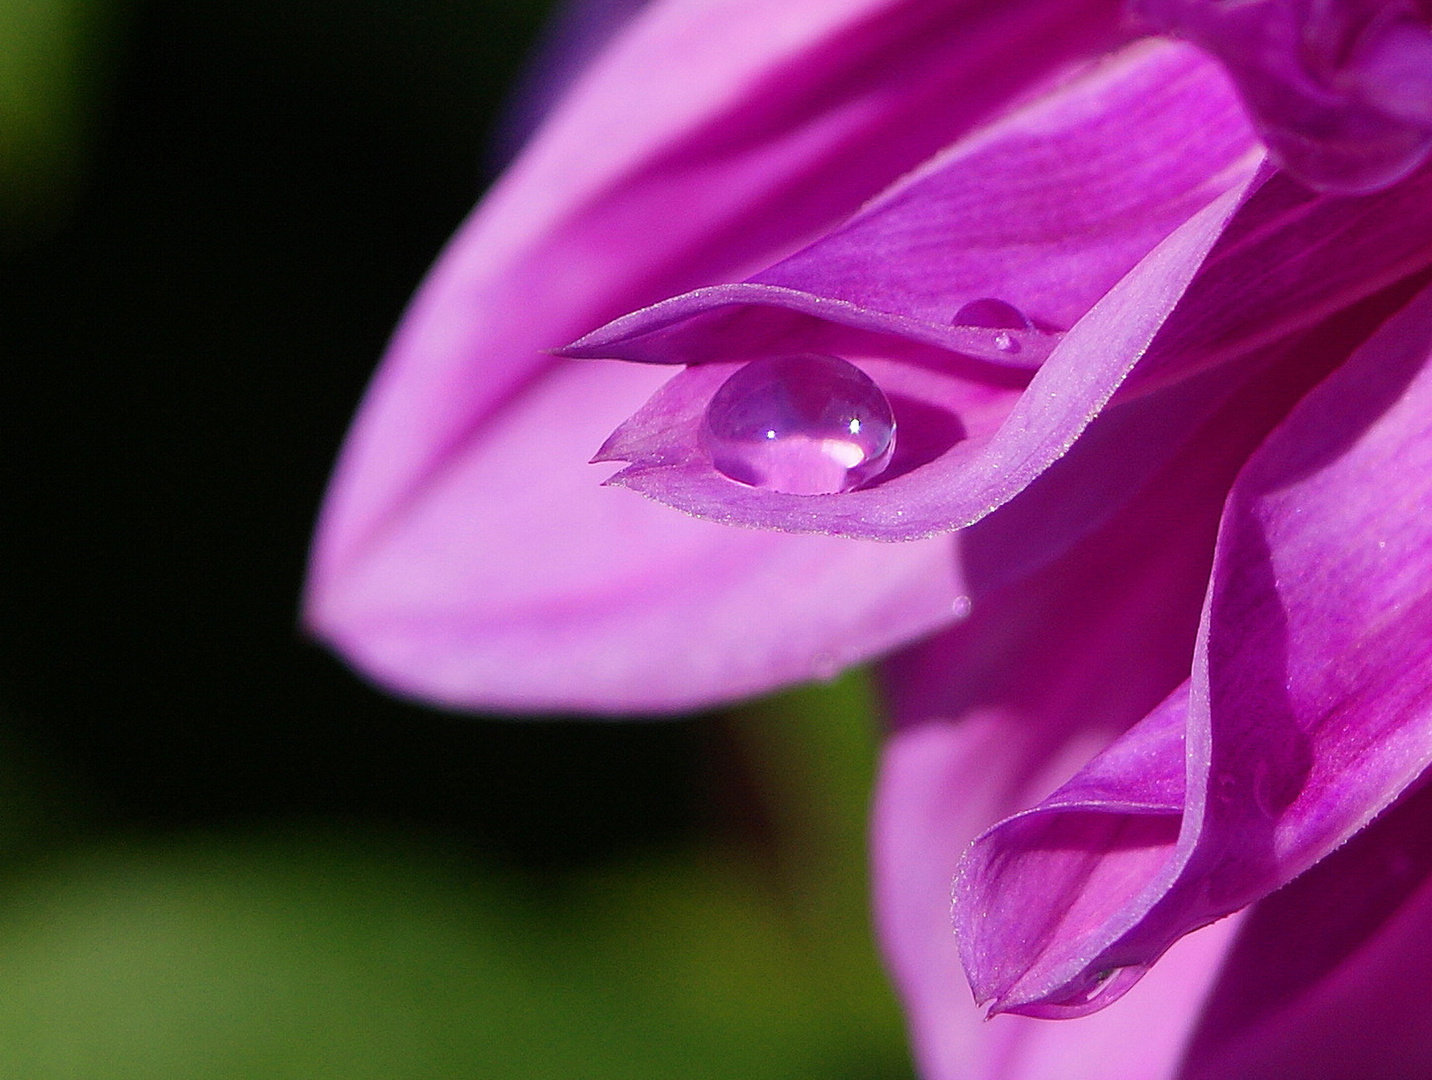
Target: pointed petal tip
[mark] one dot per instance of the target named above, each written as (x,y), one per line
(577,351)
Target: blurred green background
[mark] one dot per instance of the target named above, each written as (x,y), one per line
(220,854)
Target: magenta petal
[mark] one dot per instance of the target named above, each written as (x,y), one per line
(1040,897)
(987,433)
(1006,707)
(941,783)
(466,553)
(1045,672)
(1310,707)
(1331,977)
(1046,210)
(1341,90)
(1287,260)
(1318,654)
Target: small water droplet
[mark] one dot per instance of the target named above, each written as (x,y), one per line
(1004,343)
(806,424)
(961,607)
(992,314)
(1107,984)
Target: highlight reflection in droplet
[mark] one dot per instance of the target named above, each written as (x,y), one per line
(807,424)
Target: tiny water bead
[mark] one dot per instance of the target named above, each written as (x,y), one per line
(805,424)
(991,314)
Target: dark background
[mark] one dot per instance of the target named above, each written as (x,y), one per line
(222,854)
(266,185)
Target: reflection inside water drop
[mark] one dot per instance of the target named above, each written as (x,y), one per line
(807,424)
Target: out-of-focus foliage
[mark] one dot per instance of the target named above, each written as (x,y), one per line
(352,953)
(53,58)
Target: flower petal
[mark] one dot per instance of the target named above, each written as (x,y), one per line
(1034,901)
(1045,884)
(941,783)
(1098,152)
(1341,90)
(466,553)
(1046,671)
(1332,976)
(1135,147)
(1319,646)
(1000,710)
(1309,710)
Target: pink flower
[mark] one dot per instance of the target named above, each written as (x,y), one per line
(1160,483)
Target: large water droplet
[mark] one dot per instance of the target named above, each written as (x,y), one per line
(806,424)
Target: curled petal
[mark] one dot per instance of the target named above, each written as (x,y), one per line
(1341,90)
(1036,896)
(1287,259)
(1080,211)
(941,783)
(1309,709)
(466,553)
(1317,667)
(1047,669)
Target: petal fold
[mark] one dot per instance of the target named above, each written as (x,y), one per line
(1308,712)
(466,554)
(1288,258)
(940,784)
(1078,211)
(1341,90)
(1046,883)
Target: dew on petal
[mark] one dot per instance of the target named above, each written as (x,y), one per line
(992,314)
(806,424)
(1096,990)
